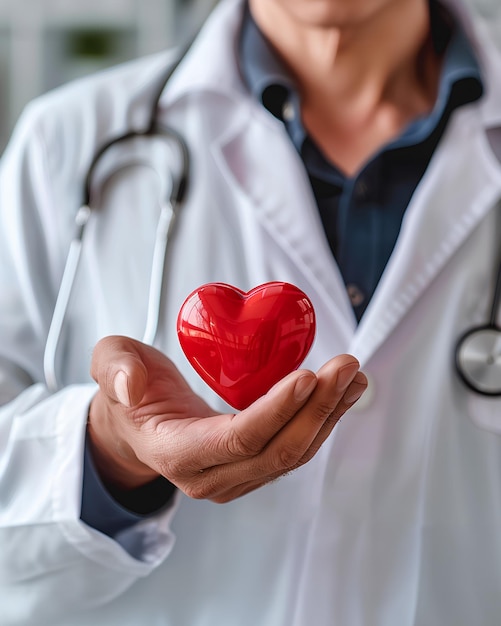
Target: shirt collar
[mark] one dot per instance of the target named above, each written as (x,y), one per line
(269,81)
(460,83)
(262,69)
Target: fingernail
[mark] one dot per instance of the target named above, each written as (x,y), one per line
(304,386)
(121,388)
(345,375)
(354,391)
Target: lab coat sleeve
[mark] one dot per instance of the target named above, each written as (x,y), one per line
(44,546)
(100,510)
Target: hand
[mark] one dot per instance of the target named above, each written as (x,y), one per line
(145,421)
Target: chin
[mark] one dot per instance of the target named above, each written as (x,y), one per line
(335,13)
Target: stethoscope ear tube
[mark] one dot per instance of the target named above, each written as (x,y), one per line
(63,297)
(162,236)
(167,219)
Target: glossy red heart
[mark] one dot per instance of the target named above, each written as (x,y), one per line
(240,343)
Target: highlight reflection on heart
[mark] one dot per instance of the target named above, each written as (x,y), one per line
(240,343)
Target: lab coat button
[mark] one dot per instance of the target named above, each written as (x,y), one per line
(355,294)
(361,190)
(288,113)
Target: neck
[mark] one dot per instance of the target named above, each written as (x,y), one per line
(362,78)
(363,61)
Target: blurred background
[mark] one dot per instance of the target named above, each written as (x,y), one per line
(44,43)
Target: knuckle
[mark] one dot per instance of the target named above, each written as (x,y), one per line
(172,468)
(243,444)
(172,465)
(322,411)
(340,411)
(202,489)
(232,443)
(329,424)
(309,454)
(288,456)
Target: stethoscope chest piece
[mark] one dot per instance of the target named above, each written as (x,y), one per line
(478,359)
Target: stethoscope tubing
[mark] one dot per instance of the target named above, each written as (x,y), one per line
(164,233)
(63,298)
(466,367)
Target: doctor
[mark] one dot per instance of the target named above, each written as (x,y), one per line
(351,148)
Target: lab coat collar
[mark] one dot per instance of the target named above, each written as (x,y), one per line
(257,159)
(489,57)
(453,196)
(451,199)
(208,65)
(287,211)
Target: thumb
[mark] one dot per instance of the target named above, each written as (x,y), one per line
(119,370)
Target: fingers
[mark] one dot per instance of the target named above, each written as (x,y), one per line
(227,438)
(252,429)
(139,389)
(282,430)
(171,431)
(351,395)
(310,401)
(354,391)
(286,450)
(118,368)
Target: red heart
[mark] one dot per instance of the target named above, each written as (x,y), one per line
(241,343)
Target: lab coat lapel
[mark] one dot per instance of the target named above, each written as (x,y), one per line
(259,162)
(256,157)
(454,195)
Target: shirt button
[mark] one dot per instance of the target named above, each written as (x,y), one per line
(361,190)
(355,295)
(288,113)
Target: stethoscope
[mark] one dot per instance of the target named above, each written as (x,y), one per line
(478,350)
(169,212)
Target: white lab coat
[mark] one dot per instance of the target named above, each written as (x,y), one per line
(397,520)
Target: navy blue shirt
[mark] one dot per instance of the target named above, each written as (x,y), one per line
(361,214)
